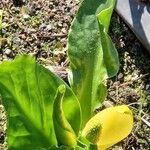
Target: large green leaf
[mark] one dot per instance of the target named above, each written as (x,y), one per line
(28,91)
(93,58)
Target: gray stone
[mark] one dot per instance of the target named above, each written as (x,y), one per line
(147,86)
(49,27)
(137,15)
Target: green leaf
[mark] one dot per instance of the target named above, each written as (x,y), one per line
(60,148)
(93,58)
(68,148)
(28,91)
(64,132)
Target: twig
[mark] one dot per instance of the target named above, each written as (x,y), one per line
(52,36)
(135,103)
(146,122)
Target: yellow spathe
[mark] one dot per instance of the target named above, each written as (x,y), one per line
(109,126)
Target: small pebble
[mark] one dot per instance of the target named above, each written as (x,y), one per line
(26,17)
(147,86)
(42,26)
(2,137)
(7,51)
(31,30)
(49,27)
(120,76)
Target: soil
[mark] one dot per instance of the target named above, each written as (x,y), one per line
(40,27)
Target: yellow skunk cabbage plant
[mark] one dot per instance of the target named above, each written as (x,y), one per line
(109,126)
(44,113)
